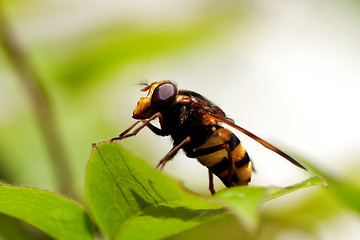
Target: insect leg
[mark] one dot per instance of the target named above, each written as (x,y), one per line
(211,183)
(156,130)
(127,130)
(146,122)
(172,153)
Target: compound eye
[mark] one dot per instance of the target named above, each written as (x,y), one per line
(163,96)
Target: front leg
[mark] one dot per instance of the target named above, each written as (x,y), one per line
(147,123)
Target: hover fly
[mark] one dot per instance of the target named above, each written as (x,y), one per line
(193,122)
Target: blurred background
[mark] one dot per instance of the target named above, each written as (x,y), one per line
(286,70)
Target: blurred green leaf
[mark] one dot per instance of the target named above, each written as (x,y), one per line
(109,49)
(304,216)
(131,200)
(57,216)
(347,193)
(20,164)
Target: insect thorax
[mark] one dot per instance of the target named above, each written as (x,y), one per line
(180,123)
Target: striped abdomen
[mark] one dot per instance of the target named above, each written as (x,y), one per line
(214,155)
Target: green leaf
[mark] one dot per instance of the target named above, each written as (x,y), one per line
(131,200)
(245,203)
(57,216)
(14,229)
(165,220)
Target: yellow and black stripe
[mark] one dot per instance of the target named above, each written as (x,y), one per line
(214,155)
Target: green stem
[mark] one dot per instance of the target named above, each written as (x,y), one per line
(40,103)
